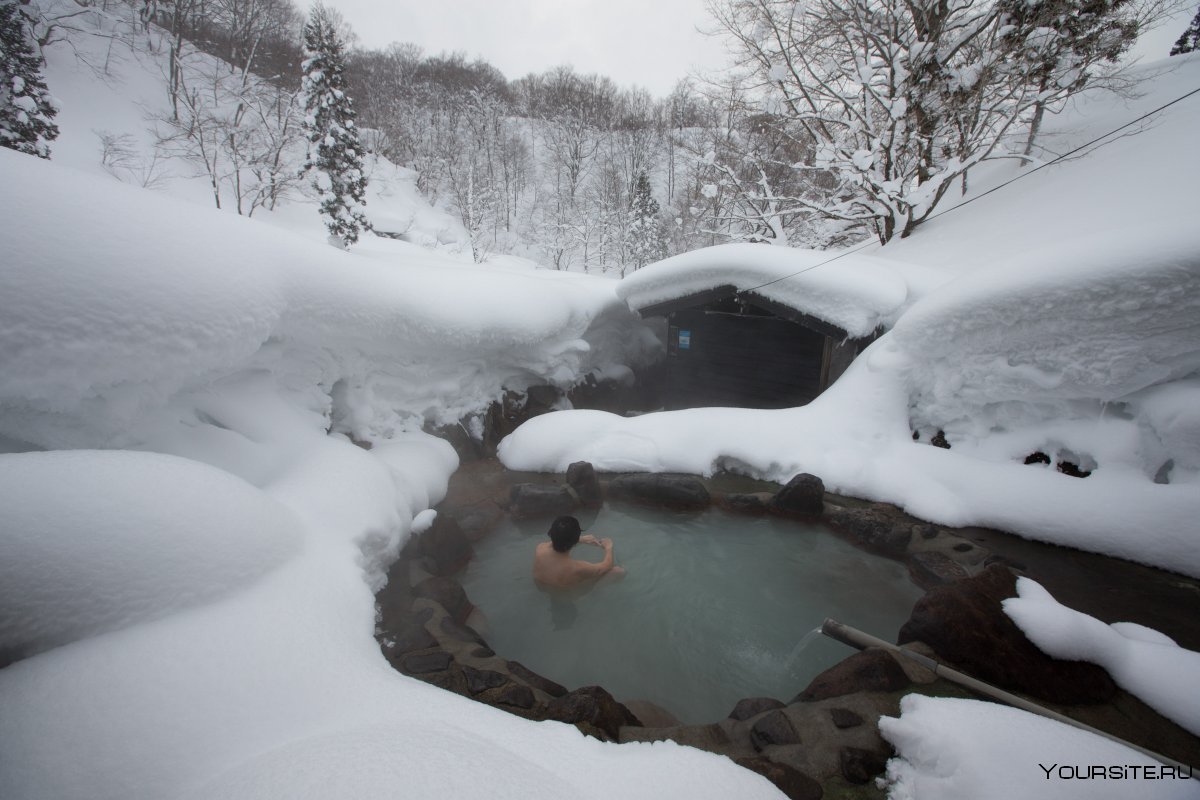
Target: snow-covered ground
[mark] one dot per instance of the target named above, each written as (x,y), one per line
(188,576)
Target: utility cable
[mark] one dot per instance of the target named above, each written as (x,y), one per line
(982,195)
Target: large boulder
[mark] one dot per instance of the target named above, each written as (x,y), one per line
(480,680)
(871,670)
(804,495)
(448,593)
(930,568)
(444,547)
(592,708)
(872,529)
(581,477)
(531,500)
(965,625)
(675,492)
(774,728)
(753,706)
(479,520)
(746,503)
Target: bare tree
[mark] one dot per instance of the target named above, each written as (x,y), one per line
(238,131)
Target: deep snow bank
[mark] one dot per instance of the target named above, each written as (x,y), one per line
(116,300)
(83,552)
(1058,333)
(207,621)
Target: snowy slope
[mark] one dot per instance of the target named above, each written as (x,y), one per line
(109,80)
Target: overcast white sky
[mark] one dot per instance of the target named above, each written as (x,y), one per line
(649,43)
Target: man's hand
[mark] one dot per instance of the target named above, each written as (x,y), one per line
(587,538)
(606,544)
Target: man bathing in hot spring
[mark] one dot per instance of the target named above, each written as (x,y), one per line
(552,562)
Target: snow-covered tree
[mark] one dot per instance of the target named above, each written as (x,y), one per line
(1189,41)
(334,151)
(899,99)
(874,87)
(26,109)
(645,237)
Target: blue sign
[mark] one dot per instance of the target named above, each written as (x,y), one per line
(685,340)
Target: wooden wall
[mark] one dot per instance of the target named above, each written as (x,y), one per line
(756,360)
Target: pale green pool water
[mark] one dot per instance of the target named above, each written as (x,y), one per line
(711,610)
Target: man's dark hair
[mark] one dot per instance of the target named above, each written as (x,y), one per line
(564,533)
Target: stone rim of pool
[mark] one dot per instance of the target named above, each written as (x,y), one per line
(422,632)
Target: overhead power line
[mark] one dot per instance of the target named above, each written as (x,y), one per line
(982,195)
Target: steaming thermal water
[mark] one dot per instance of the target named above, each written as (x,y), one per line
(715,607)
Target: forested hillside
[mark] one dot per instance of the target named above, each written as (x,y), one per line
(837,122)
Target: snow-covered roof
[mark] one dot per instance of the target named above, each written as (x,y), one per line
(854,293)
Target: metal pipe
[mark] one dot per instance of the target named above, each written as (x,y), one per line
(859,640)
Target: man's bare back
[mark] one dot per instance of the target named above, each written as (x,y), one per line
(553,568)
(552,562)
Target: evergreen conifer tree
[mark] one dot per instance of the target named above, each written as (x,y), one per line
(334,151)
(26,110)
(1190,40)
(646,243)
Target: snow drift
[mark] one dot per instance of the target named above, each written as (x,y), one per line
(204,609)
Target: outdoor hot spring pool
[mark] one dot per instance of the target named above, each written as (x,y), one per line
(713,608)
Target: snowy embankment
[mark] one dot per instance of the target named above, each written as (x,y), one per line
(1066,321)
(196,599)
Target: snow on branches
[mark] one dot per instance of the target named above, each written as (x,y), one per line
(334,152)
(897,99)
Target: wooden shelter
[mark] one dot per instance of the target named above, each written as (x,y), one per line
(726,348)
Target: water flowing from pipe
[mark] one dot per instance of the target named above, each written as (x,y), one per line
(805,641)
